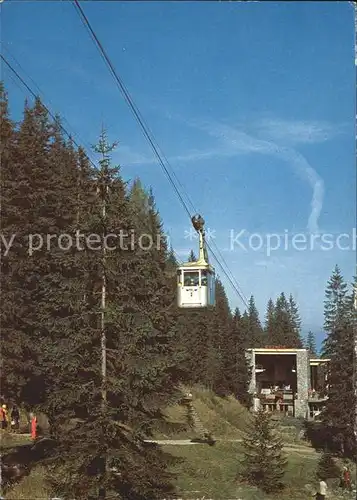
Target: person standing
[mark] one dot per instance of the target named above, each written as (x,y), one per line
(3,416)
(347,479)
(15,418)
(321,494)
(33,426)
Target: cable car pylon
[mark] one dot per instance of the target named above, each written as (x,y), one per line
(196,280)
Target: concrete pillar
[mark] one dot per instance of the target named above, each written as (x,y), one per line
(250,356)
(303,383)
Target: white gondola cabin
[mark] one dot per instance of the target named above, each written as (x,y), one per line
(196,280)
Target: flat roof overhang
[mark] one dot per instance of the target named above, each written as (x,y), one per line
(317,361)
(265,350)
(280,350)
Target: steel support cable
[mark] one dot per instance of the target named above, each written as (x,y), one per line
(130,102)
(145,129)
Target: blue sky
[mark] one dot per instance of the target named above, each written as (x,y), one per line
(252,103)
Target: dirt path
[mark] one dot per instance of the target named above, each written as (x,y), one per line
(301,449)
(307,451)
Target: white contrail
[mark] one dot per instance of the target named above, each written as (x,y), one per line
(306,172)
(240,142)
(235,142)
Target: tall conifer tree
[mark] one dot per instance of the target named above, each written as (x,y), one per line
(269,328)
(255,328)
(339,413)
(287,323)
(264,463)
(311,344)
(104,453)
(31,186)
(295,321)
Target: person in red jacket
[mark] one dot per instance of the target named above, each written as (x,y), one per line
(347,479)
(3,417)
(33,426)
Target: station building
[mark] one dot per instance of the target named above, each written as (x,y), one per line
(288,380)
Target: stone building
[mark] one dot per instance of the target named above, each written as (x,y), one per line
(287,380)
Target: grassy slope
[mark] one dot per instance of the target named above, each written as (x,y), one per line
(210,472)
(224,418)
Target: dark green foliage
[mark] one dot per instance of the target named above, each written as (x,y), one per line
(295,321)
(263,464)
(255,330)
(52,333)
(13,338)
(269,328)
(319,435)
(193,336)
(327,467)
(135,470)
(214,348)
(336,309)
(172,262)
(32,207)
(339,411)
(338,415)
(311,344)
(236,359)
(244,325)
(220,341)
(105,450)
(284,323)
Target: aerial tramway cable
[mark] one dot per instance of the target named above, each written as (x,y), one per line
(149,136)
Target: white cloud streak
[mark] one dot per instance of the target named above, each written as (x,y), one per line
(238,142)
(128,157)
(233,141)
(297,132)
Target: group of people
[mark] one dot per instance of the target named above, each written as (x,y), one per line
(14,416)
(345,483)
(14,420)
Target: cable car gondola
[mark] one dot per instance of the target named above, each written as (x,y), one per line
(196,280)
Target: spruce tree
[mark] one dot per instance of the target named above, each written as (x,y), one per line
(139,202)
(287,323)
(220,364)
(335,309)
(311,344)
(161,263)
(269,328)
(327,467)
(31,212)
(100,435)
(263,464)
(172,261)
(240,370)
(240,329)
(256,337)
(13,338)
(244,322)
(338,415)
(194,334)
(295,321)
